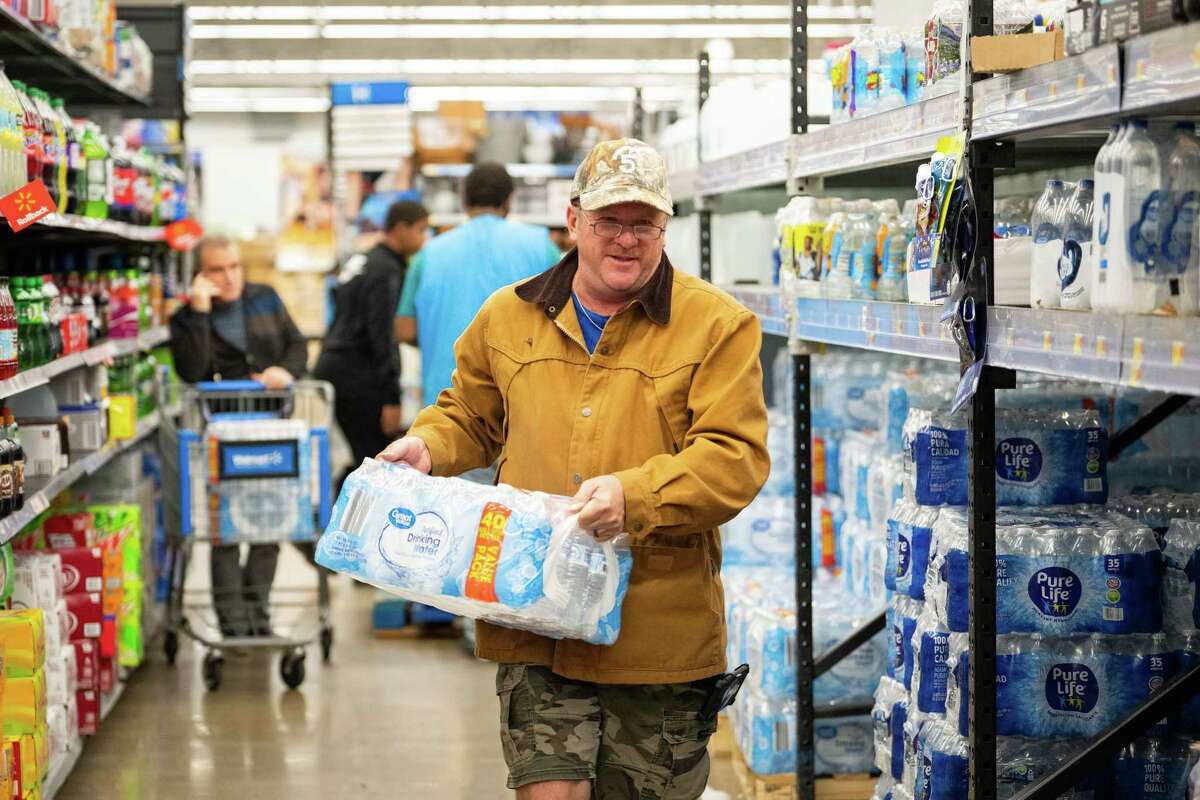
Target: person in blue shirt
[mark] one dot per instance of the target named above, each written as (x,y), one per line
(450,279)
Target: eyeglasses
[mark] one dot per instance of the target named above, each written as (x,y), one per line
(612,230)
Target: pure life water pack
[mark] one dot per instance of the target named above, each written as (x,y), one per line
(494,553)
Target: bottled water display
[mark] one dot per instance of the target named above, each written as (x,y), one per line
(1059,571)
(1042,458)
(1047,227)
(888,717)
(1076,261)
(1179,254)
(942,761)
(910,535)
(494,553)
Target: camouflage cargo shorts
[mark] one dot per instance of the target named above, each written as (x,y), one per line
(643,742)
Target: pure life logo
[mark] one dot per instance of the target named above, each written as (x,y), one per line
(1055,591)
(1072,687)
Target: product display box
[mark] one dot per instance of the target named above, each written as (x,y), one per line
(122,416)
(87,664)
(24,704)
(37,581)
(24,763)
(43,442)
(64,531)
(87,427)
(83,570)
(23,638)
(1015,52)
(108,636)
(87,615)
(108,675)
(62,678)
(1118,20)
(88,701)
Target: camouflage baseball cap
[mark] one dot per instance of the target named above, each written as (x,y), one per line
(622,171)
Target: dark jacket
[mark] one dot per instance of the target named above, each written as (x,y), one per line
(360,353)
(273,340)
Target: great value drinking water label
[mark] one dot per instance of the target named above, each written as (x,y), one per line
(413,541)
(842,745)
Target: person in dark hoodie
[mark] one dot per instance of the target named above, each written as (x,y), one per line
(233,330)
(360,355)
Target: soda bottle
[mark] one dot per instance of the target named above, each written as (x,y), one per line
(68,173)
(7,475)
(97,194)
(8,332)
(54,316)
(141,278)
(32,127)
(1179,254)
(124,178)
(100,302)
(39,328)
(85,304)
(50,146)
(18,461)
(21,307)
(1044,291)
(1076,262)
(12,137)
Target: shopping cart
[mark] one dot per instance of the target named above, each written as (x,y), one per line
(247,465)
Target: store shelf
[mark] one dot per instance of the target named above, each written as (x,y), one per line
(103,227)
(38,499)
(892,327)
(1162,353)
(61,770)
(30,55)
(1070,344)
(1079,89)
(766,303)
(902,135)
(524,171)
(1162,68)
(762,166)
(109,701)
(40,376)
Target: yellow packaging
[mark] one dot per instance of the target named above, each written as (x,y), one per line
(24,759)
(25,704)
(808,241)
(23,637)
(7,761)
(122,416)
(41,749)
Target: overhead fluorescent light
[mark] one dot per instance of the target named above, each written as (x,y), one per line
(484,66)
(518,31)
(524,13)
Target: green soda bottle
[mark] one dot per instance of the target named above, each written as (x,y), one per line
(99,174)
(24,338)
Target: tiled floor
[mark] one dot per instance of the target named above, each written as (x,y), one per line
(386,719)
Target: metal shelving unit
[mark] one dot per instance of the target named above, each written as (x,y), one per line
(1056,103)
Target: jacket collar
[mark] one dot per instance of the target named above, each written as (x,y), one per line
(552,289)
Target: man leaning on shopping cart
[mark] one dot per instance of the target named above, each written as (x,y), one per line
(231,330)
(637,389)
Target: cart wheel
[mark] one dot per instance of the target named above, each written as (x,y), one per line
(291,669)
(212,671)
(171,646)
(326,643)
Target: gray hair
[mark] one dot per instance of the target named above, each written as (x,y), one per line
(216,241)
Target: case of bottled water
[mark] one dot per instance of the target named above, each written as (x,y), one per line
(494,553)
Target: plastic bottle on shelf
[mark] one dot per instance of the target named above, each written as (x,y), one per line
(139,279)
(914,67)
(864,65)
(831,242)
(13,432)
(12,136)
(96,289)
(50,144)
(1179,254)
(893,254)
(54,315)
(892,69)
(21,308)
(98,173)
(1047,225)
(1076,261)
(69,155)
(1134,266)
(8,332)
(144,187)
(41,322)
(1102,231)
(7,482)
(124,180)
(32,128)
(86,305)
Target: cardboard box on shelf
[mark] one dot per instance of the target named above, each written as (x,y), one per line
(122,417)
(1015,52)
(23,639)
(83,570)
(87,616)
(37,581)
(108,637)
(88,702)
(108,674)
(24,763)
(87,427)
(65,531)
(24,704)
(43,443)
(87,664)
(62,677)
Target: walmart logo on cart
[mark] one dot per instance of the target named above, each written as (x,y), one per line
(259,459)
(252,460)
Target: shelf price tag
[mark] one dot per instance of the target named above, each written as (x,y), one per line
(1176,353)
(1077,349)
(1101,347)
(1047,341)
(1139,354)
(27,205)
(1081,82)
(39,503)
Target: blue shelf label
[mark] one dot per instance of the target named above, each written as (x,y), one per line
(274,459)
(380,93)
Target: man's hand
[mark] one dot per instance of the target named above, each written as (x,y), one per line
(600,503)
(409,450)
(203,291)
(274,378)
(391,421)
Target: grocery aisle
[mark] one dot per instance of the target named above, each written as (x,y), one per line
(386,719)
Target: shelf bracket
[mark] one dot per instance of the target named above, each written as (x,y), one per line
(1152,419)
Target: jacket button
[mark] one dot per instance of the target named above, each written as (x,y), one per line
(577,478)
(587,412)
(604,350)
(637,527)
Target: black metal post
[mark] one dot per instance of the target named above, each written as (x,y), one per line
(1139,428)
(799,66)
(806,787)
(704,213)
(639,115)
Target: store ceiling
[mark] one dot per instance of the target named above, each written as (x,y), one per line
(250,56)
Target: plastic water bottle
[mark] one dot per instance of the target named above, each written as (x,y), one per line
(1140,178)
(1076,262)
(1047,224)
(1179,256)
(892,69)
(914,67)
(893,255)
(1108,162)
(863,227)
(864,68)
(832,240)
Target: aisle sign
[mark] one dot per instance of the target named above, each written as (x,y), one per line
(377,93)
(27,205)
(184,235)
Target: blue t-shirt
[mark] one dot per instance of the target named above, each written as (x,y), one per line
(229,321)
(591,323)
(449,280)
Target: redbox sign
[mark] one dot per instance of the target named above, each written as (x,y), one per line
(27,205)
